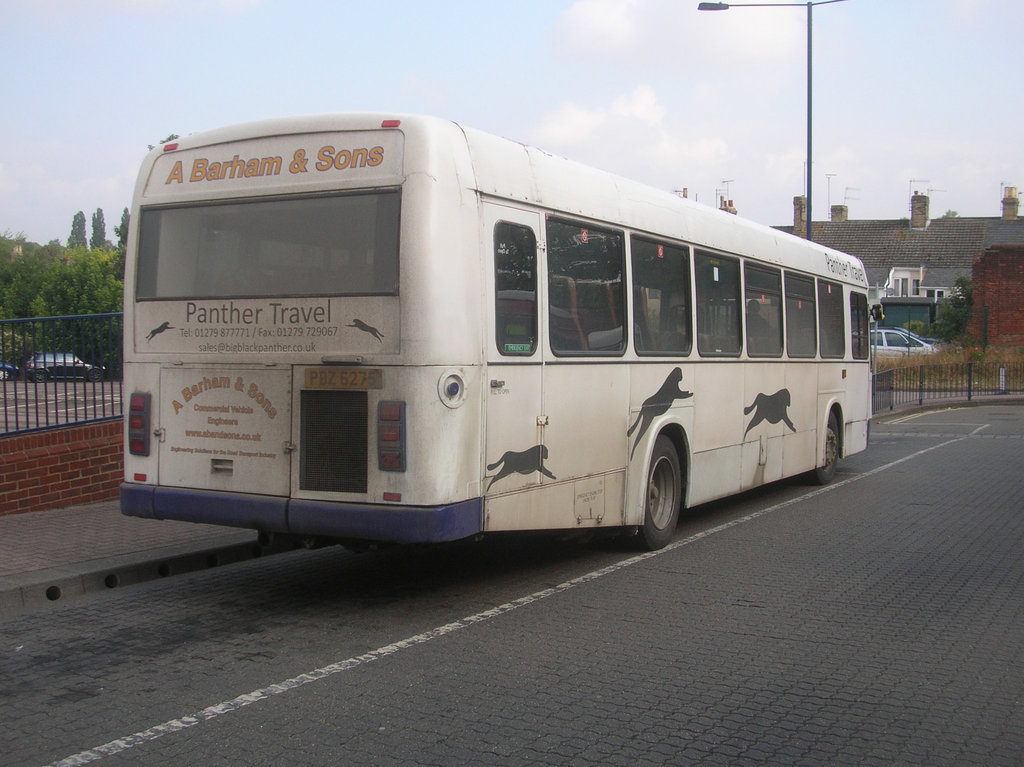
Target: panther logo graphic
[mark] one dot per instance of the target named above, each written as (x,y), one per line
(525,462)
(360,325)
(658,404)
(771,408)
(159,329)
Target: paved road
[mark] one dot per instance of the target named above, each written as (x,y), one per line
(879,621)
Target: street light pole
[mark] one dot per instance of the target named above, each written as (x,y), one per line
(810,6)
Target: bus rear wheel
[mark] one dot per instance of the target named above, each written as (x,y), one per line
(825,473)
(664,496)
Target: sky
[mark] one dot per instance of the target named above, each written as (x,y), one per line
(908,95)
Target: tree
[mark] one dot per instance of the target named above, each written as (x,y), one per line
(21,285)
(122,231)
(77,237)
(99,230)
(84,285)
(954,311)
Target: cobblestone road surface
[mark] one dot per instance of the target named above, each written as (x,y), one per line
(877,622)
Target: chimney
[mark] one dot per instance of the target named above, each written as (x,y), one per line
(840,213)
(726,205)
(919,211)
(800,216)
(1011,203)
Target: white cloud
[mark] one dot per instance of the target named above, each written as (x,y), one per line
(673,35)
(641,104)
(609,26)
(632,135)
(569,125)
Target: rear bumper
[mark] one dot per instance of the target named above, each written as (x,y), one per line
(395,524)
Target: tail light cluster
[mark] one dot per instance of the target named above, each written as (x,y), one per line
(138,424)
(391,436)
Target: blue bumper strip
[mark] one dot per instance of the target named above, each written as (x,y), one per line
(396,524)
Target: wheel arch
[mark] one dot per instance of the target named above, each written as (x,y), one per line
(836,409)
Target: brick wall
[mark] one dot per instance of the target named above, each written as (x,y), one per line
(998,277)
(61,467)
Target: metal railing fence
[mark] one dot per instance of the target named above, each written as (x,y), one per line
(58,371)
(919,384)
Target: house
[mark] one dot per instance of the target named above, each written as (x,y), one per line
(998,313)
(912,263)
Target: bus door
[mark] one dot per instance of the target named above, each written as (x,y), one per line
(515,450)
(586,383)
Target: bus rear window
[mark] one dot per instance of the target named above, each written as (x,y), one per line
(341,245)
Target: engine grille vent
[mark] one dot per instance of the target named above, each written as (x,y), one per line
(334,435)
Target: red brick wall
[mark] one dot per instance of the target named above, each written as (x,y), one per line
(998,277)
(61,467)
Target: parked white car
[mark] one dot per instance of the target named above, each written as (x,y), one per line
(892,342)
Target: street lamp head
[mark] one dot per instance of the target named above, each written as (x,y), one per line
(713,7)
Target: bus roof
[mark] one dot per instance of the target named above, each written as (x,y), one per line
(503,169)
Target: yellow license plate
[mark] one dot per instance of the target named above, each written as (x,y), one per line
(344,378)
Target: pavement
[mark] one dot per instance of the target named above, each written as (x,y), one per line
(57,555)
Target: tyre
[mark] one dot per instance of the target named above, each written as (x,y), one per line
(825,473)
(94,374)
(664,496)
(38,376)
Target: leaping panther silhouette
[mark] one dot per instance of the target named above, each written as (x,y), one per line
(771,408)
(658,404)
(525,462)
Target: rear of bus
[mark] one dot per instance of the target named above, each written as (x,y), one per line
(300,353)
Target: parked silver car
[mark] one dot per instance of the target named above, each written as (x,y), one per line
(891,342)
(45,365)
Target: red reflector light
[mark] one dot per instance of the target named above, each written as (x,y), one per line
(170,147)
(139,477)
(390,123)
(390,432)
(393,497)
(391,435)
(390,411)
(138,423)
(390,460)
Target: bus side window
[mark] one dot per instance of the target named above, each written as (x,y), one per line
(515,289)
(764,311)
(718,304)
(661,298)
(831,327)
(801,320)
(859,325)
(586,289)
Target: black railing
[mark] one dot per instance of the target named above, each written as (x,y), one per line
(919,384)
(57,371)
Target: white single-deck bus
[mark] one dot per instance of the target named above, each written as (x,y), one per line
(367,328)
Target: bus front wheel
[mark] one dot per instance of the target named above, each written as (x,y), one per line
(827,471)
(664,496)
